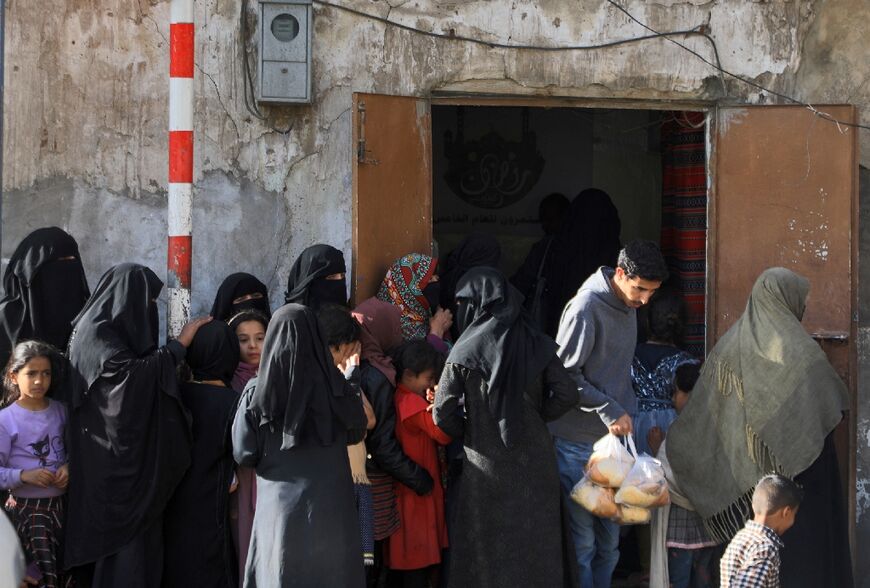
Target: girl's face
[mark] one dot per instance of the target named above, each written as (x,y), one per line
(419,383)
(34,379)
(251,335)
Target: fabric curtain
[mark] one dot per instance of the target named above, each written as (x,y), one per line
(684,216)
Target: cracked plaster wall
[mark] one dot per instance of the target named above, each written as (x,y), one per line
(86,102)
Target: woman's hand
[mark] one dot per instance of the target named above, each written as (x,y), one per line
(61,477)
(349,353)
(622,426)
(441,322)
(38,477)
(371,419)
(185,337)
(430,397)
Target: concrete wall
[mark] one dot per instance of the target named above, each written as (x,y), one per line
(86,101)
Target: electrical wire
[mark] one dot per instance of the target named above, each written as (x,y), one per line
(247,78)
(718,66)
(497,45)
(700,31)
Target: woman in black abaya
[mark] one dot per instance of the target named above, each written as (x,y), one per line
(293,425)
(237,293)
(476,250)
(507,371)
(44,289)
(128,432)
(318,277)
(197,514)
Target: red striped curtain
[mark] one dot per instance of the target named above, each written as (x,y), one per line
(684,216)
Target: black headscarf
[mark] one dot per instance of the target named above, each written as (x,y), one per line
(499,339)
(121,316)
(214,353)
(42,292)
(298,379)
(587,240)
(475,250)
(236,286)
(307,284)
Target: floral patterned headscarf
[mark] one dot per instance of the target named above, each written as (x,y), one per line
(403,287)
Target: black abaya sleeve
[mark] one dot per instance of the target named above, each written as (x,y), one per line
(246,444)
(348,409)
(560,391)
(451,388)
(385,450)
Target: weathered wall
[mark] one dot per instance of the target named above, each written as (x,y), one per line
(86,103)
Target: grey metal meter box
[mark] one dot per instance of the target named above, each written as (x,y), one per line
(285,51)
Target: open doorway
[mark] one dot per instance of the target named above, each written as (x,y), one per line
(494,165)
(782,191)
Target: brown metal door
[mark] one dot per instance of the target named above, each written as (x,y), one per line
(392,185)
(786,194)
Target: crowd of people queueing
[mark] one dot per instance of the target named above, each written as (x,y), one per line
(431,436)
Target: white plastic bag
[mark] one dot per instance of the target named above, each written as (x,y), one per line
(632,515)
(596,499)
(610,462)
(645,485)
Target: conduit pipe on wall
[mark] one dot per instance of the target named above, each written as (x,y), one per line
(181,66)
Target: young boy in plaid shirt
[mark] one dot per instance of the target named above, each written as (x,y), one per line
(752,559)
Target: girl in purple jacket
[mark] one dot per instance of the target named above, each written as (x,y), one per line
(33,461)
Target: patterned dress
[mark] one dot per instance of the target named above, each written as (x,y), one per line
(652,376)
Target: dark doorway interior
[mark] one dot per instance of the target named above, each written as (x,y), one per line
(493,165)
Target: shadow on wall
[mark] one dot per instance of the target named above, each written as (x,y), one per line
(237,227)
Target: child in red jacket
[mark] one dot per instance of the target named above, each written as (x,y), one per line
(416,547)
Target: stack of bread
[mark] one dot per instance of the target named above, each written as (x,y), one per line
(617,486)
(608,466)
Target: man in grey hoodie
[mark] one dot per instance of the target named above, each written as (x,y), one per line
(597,336)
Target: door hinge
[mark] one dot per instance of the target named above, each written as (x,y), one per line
(361,140)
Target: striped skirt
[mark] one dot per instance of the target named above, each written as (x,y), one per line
(39,523)
(384,503)
(363,495)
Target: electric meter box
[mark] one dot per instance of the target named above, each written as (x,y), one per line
(285,52)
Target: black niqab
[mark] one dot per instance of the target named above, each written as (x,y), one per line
(214,353)
(307,284)
(475,250)
(499,339)
(587,240)
(121,316)
(298,381)
(235,286)
(43,292)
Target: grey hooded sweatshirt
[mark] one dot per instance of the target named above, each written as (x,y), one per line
(597,336)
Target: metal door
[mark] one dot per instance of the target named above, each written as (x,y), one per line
(392,185)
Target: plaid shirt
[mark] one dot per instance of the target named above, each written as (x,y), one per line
(752,558)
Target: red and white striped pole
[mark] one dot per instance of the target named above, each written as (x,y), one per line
(181,45)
